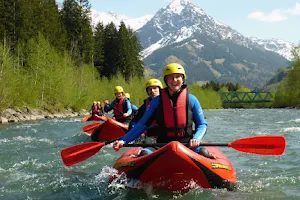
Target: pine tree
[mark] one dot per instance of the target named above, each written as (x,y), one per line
(136,48)
(77,22)
(125,53)
(110,65)
(51,26)
(8,19)
(99,47)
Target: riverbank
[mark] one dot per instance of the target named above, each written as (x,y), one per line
(26,114)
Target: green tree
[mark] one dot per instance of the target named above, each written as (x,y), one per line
(125,64)
(110,65)
(76,20)
(99,47)
(8,18)
(135,49)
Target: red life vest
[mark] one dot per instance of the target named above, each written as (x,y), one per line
(174,115)
(119,105)
(175,121)
(94,109)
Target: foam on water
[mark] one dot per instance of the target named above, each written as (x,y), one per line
(32,139)
(291,129)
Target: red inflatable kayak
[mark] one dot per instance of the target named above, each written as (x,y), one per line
(174,167)
(109,130)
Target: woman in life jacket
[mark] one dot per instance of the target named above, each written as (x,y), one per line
(121,106)
(94,108)
(133,107)
(175,111)
(153,87)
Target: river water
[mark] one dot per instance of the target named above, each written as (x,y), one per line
(31,167)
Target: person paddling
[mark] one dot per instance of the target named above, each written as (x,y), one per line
(153,87)
(174,110)
(121,106)
(94,108)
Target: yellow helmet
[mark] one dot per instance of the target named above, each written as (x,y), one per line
(127,95)
(154,82)
(118,89)
(99,102)
(95,102)
(174,68)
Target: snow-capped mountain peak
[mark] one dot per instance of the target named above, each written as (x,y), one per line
(275,45)
(176,6)
(108,17)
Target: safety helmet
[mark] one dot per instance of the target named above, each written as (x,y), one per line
(95,102)
(127,95)
(98,102)
(154,82)
(118,89)
(174,68)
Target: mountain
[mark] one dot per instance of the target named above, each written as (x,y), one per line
(210,50)
(108,17)
(182,32)
(281,47)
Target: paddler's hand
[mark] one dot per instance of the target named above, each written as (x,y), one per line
(194,143)
(125,115)
(118,145)
(106,102)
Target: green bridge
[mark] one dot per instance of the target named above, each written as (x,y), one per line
(246,97)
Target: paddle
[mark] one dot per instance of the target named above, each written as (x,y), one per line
(262,145)
(80,152)
(85,118)
(91,127)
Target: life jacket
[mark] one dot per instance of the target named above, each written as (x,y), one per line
(121,106)
(176,120)
(95,109)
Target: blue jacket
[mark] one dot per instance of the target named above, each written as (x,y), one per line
(134,107)
(140,127)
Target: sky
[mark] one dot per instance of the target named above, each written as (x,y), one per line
(264,19)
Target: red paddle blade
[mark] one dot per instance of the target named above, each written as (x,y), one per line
(104,118)
(85,118)
(91,127)
(263,145)
(78,153)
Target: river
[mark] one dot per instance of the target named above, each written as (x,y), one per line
(31,167)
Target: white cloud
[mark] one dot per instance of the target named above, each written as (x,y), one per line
(274,16)
(295,11)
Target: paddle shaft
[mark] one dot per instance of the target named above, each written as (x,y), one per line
(205,144)
(163,144)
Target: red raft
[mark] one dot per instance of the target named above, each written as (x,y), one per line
(109,130)
(175,167)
